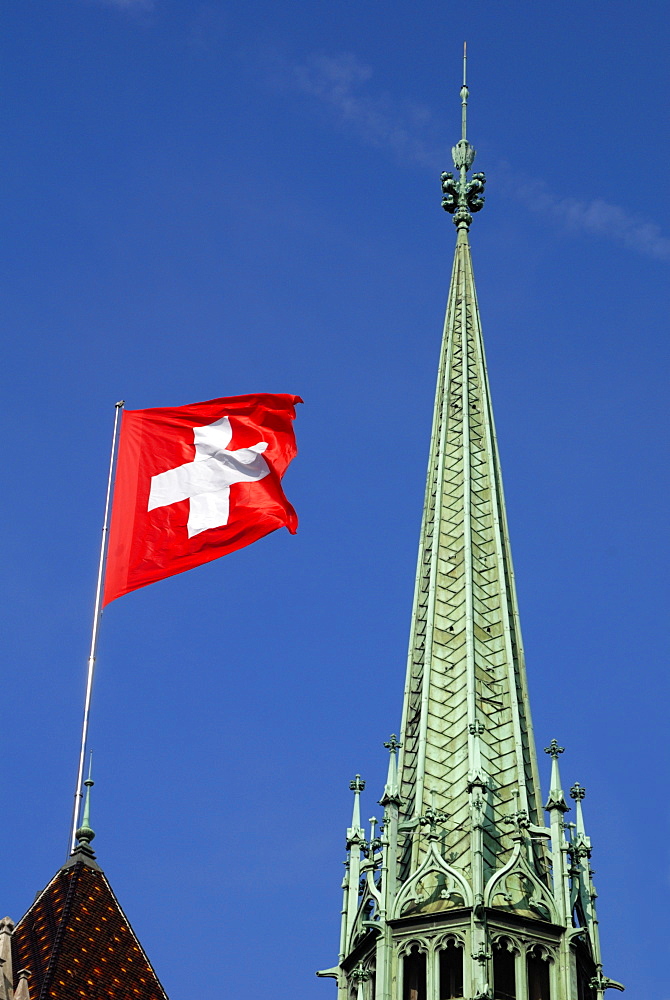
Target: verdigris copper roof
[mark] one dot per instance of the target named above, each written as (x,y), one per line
(466,719)
(78,944)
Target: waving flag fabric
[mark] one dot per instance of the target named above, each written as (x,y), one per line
(196,482)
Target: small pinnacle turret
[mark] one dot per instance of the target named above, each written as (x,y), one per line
(391,790)
(6,960)
(22,991)
(556,798)
(356,785)
(578,794)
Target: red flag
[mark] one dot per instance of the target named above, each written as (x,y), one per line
(196,482)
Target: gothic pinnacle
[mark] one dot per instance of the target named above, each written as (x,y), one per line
(556,798)
(355,831)
(391,791)
(578,793)
(22,990)
(6,958)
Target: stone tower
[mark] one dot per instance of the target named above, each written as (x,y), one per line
(464,891)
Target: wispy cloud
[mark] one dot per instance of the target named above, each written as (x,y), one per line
(600,218)
(413,133)
(408,129)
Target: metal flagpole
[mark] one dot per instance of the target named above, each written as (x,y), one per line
(94,637)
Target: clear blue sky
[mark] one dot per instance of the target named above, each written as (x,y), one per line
(207,199)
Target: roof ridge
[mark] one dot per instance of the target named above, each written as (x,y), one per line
(132,931)
(53,957)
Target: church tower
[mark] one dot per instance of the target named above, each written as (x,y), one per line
(75,941)
(464,890)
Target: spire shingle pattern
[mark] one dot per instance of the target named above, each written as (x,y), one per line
(466,717)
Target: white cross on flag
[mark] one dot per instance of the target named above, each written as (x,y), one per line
(196,482)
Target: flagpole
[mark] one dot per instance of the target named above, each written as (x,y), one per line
(94,636)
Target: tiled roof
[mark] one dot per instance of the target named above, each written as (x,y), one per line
(78,945)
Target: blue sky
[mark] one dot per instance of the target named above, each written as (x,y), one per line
(207,199)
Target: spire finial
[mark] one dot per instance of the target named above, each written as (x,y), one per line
(433,819)
(85,833)
(464,94)
(554,750)
(462,197)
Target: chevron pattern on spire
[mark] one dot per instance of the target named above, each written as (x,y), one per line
(466,718)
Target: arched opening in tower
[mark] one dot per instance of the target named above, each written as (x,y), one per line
(451,971)
(414,976)
(504,971)
(538,976)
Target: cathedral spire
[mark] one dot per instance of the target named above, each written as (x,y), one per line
(466,893)
(466,729)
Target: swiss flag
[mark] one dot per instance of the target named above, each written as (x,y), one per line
(196,482)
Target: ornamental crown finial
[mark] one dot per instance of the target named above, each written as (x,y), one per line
(433,819)
(554,750)
(360,974)
(357,784)
(577,792)
(463,197)
(393,744)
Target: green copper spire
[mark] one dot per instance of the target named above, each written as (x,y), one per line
(465,892)
(466,729)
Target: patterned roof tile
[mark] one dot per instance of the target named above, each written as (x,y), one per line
(77,943)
